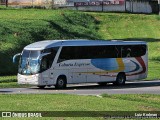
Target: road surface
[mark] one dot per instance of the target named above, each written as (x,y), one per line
(136,87)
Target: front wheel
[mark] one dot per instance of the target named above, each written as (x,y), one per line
(61,83)
(120,80)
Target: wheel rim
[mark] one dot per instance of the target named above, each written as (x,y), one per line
(60,82)
(121,80)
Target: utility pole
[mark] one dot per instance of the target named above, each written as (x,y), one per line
(6,3)
(159,6)
(32,4)
(102,5)
(52,4)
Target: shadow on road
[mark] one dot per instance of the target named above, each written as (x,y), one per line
(4,91)
(140,84)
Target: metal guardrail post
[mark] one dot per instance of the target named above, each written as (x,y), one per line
(6,2)
(159,6)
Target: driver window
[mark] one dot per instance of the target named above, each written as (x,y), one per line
(44,64)
(47,60)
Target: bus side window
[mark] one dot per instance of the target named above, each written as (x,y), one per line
(44,64)
(118,51)
(47,60)
(66,54)
(126,51)
(138,50)
(128,54)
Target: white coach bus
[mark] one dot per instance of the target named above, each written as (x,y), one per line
(62,62)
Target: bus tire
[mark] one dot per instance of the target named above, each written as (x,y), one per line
(61,83)
(41,87)
(121,79)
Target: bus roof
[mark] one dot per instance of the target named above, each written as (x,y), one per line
(55,43)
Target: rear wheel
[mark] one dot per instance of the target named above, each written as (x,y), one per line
(121,79)
(61,83)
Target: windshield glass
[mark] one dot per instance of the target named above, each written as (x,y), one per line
(29,63)
(34,61)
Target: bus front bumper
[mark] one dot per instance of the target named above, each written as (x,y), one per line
(28,79)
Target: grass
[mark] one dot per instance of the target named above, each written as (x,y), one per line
(153,70)
(133,27)
(63,102)
(20,27)
(6,79)
(10,81)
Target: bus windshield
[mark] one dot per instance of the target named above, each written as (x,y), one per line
(29,62)
(36,61)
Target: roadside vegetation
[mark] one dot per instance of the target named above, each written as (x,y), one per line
(135,27)
(20,27)
(10,81)
(63,102)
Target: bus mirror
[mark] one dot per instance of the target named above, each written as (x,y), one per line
(44,54)
(15,56)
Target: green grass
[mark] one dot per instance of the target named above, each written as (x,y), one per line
(10,81)
(20,27)
(6,79)
(124,26)
(63,102)
(153,70)
(133,27)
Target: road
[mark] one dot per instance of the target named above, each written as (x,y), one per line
(136,87)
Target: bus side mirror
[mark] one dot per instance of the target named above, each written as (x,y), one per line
(15,56)
(42,55)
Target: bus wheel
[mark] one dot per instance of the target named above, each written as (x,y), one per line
(41,87)
(120,80)
(61,83)
(102,83)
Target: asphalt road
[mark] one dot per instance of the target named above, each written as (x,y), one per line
(136,87)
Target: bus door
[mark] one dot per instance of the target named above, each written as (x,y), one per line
(45,68)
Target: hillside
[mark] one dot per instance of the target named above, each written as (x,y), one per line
(18,28)
(21,27)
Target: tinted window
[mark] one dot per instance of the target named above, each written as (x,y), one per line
(25,53)
(47,60)
(87,52)
(93,52)
(132,50)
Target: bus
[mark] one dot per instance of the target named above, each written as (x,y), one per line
(61,62)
